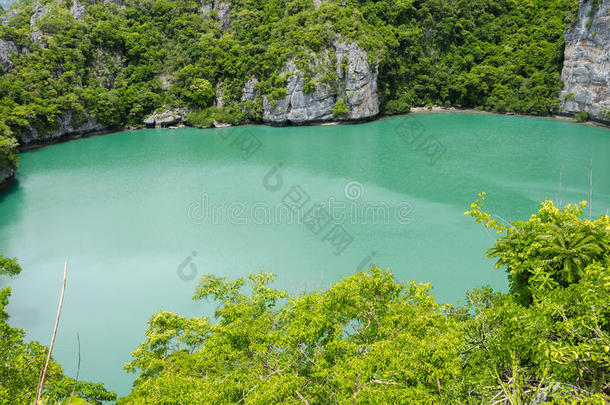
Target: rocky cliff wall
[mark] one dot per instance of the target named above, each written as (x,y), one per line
(355,87)
(586,70)
(69,124)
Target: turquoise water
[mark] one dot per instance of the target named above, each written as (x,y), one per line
(140,215)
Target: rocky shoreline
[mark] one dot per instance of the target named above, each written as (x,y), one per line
(7,177)
(174,124)
(73,135)
(559,115)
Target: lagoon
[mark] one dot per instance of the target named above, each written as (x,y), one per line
(141,215)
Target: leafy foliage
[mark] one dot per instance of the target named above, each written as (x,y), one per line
(502,56)
(558,345)
(581,116)
(345,343)
(9,266)
(8,148)
(552,249)
(340,108)
(372,339)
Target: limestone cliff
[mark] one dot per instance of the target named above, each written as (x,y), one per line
(586,70)
(165,117)
(7,49)
(355,86)
(68,124)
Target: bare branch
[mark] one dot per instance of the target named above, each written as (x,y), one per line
(301,397)
(61,301)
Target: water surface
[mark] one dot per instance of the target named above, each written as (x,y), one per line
(127,211)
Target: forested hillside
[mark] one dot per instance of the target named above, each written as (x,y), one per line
(69,66)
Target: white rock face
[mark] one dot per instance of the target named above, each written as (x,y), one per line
(298,107)
(220,101)
(39,11)
(223,10)
(249,92)
(6,3)
(360,81)
(166,80)
(356,86)
(78,9)
(165,118)
(7,48)
(586,69)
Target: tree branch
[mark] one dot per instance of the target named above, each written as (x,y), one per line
(61,301)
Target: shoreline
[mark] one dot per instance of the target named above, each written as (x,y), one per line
(566,117)
(41,143)
(70,136)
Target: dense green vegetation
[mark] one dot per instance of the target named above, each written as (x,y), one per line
(21,363)
(372,339)
(503,56)
(119,64)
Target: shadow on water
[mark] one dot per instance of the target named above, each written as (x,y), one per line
(6,186)
(11,199)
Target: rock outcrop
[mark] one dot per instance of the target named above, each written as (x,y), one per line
(165,118)
(355,87)
(37,35)
(249,91)
(70,124)
(7,48)
(5,4)
(222,9)
(360,81)
(6,18)
(220,101)
(586,70)
(78,10)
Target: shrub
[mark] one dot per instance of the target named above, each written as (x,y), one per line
(341,108)
(569,97)
(581,116)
